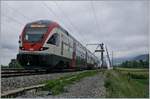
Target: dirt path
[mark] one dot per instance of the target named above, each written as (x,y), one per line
(89,87)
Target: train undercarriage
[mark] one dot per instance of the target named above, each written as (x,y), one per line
(49,62)
(46,61)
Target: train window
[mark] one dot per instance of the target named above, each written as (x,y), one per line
(54,39)
(69,47)
(34,34)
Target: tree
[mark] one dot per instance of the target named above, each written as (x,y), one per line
(14,64)
(135,64)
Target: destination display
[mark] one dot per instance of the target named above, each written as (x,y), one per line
(37,25)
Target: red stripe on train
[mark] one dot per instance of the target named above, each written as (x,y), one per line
(28,46)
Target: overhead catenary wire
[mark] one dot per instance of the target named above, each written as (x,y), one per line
(50,10)
(64,14)
(68,19)
(54,14)
(12,27)
(12,19)
(16,10)
(95,17)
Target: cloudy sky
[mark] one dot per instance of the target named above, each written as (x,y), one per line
(121,25)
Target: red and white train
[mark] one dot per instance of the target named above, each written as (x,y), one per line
(45,44)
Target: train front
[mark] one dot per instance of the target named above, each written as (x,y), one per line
(32,50)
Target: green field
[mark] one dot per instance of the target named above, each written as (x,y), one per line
(127,83)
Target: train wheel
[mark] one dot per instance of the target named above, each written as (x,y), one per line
(60,65)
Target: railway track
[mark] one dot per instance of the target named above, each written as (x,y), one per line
(13,72)
(19,91)
(19,72)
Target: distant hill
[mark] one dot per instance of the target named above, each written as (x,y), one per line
(143,57)
(136,58)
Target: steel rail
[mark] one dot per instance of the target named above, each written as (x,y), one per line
(22,72)
(14,93)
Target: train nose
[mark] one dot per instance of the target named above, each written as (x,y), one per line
(32,47)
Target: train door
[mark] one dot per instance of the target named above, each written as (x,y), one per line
(57,45)
(62,48)
(74,56)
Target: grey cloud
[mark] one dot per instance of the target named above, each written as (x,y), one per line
(123,25)
(9,47)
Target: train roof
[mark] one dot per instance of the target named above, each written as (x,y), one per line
(41,22)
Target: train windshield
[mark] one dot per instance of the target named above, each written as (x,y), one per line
(35,34)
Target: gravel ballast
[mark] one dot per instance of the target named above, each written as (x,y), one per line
(88,87)
(24,81)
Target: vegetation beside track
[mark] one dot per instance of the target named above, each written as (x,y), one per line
(136,63)
(57,86)
(127,83)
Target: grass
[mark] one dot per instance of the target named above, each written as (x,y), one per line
(132,69)
(126,83)
(57,86)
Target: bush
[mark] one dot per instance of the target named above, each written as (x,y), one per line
(138,76)
(135,64)
(107,83)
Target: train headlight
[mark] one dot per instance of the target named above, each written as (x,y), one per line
(43,48)
(21,48)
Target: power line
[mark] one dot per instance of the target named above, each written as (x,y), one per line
(51,11)
(8,30)
(19,12)
(63,13)
(12,19)
(94,14)
(14,28)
